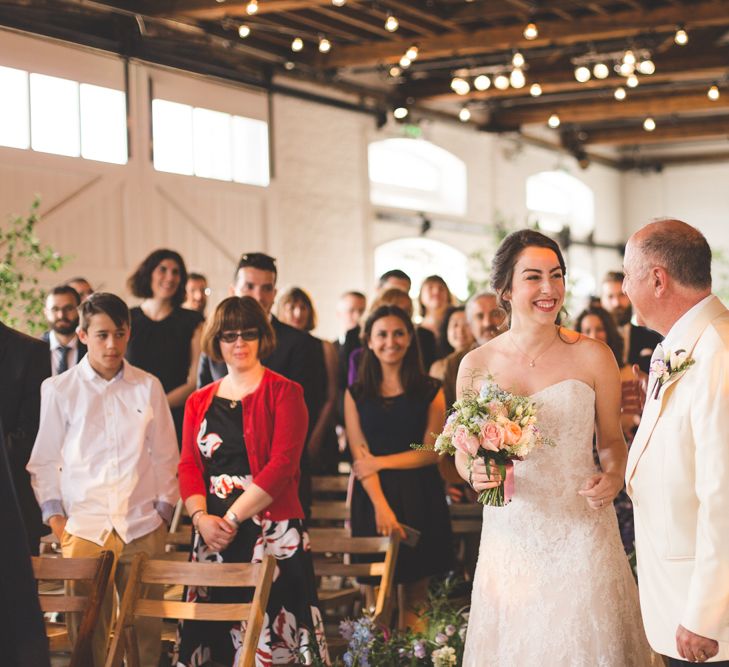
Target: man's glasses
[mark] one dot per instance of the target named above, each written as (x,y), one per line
(232,336)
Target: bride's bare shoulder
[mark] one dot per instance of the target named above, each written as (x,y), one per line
(589,350)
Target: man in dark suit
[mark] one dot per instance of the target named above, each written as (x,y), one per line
(61,312)
(297,355)
(638,342)
(24,364)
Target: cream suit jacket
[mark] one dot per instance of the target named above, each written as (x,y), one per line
(678,478)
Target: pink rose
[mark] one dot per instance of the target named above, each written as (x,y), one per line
(465,441)
(448,429)
(496,409)
(492,436)
(512,433)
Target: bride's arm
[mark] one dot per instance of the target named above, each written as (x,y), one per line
(600,489)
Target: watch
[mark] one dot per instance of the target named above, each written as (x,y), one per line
(232,518)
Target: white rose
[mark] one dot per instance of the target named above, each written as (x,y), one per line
(677,358)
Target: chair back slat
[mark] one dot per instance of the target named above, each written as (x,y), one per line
(323,541)
(192,611)
(65,603)
(329,569)
(69,569)
(330,511)
(329,483)
(200,574)
(470,510)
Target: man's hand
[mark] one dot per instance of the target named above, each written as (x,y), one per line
(57,524)
(693,647)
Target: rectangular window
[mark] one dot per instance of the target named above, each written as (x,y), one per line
(103,124)
(210,144)
(14,115)
(54,115)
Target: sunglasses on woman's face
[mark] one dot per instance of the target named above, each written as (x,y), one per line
(232,336)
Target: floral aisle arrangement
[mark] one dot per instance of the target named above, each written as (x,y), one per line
(497,426)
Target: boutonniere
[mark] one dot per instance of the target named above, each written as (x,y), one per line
(672,364)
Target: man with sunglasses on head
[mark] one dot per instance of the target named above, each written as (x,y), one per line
(297,355)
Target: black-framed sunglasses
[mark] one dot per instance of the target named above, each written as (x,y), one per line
(232,336)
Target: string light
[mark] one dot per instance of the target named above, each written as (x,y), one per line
(244,31)
(620,94)
(297,44)
(405,62)
(288,65)
(681,37)
(601,71)
(553,121)
(626,69)
(582,74)
(713,93)
(464,115)
(460,86)
(339,3)
(632,81)
(531,31)
(325,46)
(646,66)
(649,125)
(395,72)
(252,7)
(518,60)
(501,82)
(482,82)
(400,113)
(391,23)
(517,78)
(629,57)
(412,52)
(535,90)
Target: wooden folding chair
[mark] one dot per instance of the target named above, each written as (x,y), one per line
(166,572)
(97,572)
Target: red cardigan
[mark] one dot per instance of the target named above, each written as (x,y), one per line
(275,421)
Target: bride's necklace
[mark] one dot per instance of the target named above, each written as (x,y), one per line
(533,360)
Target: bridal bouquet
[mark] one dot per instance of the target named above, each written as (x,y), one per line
(497,426)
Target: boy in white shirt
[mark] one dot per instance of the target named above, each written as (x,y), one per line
(104,462)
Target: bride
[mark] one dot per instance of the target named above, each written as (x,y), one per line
(552,584)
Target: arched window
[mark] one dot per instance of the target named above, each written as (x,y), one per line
(420,258)
(557,201)
(416,175)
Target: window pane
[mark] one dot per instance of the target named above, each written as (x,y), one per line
(54,115)
(14,116)
(172,137)
(103,124)
(250,151)
(211,142)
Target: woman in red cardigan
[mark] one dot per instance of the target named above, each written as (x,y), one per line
(239,477)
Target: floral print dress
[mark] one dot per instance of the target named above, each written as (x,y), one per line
(293,631)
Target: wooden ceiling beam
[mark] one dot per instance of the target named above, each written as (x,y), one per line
(489,40)
(210,11)
(664,132)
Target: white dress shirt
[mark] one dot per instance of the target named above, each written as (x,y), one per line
(71,351)
(106,453)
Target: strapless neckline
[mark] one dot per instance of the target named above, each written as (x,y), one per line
(561,382)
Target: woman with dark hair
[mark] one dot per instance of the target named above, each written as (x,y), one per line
(165,338)
(552,581)
(434,300)
(392,405)
(296,309)
(457,336)
(239,478)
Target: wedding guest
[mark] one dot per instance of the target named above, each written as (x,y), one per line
(457,333)
(239,475)
(296,309)
(61,313)
(165,337)
(434,300)
(196,293)
(394,279)
(392,405)
(350,308)
(82,287)
(104,462)
(638,341)
(24,364)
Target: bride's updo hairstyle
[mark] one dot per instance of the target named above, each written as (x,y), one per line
(506,257)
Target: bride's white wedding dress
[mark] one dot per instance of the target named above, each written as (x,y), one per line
(553,585)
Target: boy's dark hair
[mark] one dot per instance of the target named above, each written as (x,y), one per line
(140,282)
(66,289)
(393,273)
(257,260)
(103,303)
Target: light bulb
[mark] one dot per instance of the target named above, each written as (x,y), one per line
(646,66)
(339,3)
(391,23)
(531,32)
(649,125)
(252,7)
(713,93)
(629,57)
(297,44)
(518,60)
(620,94)
(501,82)
(517,78)
(288,65)
(632,81)
(325,46)
(601,71)
(400,113)
(464,115)
(395,71)
(535,90)
(626,69)
(553,121)
(244,31)
(412,52)
(405,62)
(460,86)
(582,73)
(681,37)
(482,82)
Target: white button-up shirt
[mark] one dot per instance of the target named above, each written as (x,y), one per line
(71,352)
(106,453)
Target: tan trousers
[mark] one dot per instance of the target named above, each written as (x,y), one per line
(149,630)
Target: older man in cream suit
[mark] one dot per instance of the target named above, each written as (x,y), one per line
(678,468)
